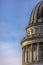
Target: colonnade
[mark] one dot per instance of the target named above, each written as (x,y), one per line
(26,58)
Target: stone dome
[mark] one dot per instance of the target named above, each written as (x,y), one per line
(37,14)
(35,27)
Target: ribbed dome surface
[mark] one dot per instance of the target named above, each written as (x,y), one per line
(37,14)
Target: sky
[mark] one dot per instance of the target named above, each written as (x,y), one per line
(14,18)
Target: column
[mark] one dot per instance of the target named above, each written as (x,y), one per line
(23,56)
(32,51)
(26,54)
(38,52)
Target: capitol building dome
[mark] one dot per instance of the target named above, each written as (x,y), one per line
(37,14)
(32,44)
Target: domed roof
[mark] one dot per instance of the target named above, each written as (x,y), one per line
(37,14)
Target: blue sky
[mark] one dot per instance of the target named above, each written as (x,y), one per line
(14,17)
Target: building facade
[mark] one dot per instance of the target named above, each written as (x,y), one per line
(32,44)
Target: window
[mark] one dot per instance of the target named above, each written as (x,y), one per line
(37,30)
(41,29)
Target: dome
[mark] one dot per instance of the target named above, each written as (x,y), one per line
(37,14)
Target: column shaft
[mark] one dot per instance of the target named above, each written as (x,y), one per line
(26,54)
(32,51)
(38,52)
(23,56)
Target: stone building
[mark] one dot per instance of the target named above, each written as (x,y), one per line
(32,44)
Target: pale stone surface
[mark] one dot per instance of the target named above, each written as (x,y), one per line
(32,41)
